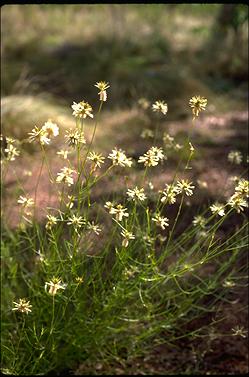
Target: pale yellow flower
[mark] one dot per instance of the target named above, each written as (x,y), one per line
(76,221)
(22,306)
(82,109)
(217,209)
(136,194)
(75,137)
(102,86)
(147,133)
(94,227)
(243,187)
(25,202)
(197,103)
(50,128)
(184,186)
(152,157)
(63,153)
(199,221)
(119,158)
(169,194)
(161,221)
(11,152)
(237,202)
(97,159)
(52,220)
(40,135)
(239,331)
(127,237)
(144,103)
(54,285)
(65,176)
(235,157)
(119,212)
(160,106)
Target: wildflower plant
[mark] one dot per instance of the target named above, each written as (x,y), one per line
(112,275)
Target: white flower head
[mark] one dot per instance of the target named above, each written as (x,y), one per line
(184,186)
(82,109)
(136,194)
(160,106)
(22,306)
(119,158)
(127,237)
(54,285)
(217,209)
(160,221)
(235,157)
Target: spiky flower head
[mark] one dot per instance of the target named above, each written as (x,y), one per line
(22,306)
(235,157)
(217,209)
(102,86)
(119,211)
(11,152)
(237,202)
(160,221)
(127,237)
(75,137)
(50,128)
(54,285)
(160,106)
(184,186)
(152,157)
(136,194)
(82,109)
(197,103)
(147,133)
(25,201)
(40,135)
(169,194)
(243,187)
(65,176)
(76,221)
(144,103)
(199,221)
(97,159)
(94,227)
(52,220)
(63,153)
(119,158)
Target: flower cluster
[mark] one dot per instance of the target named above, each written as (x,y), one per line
(119,210)
(160,221)
(54,285)
(10,150)
(22,306)
(197,103)
(82,110)
(152,157)
(169,194)
(65,176)
(136,194)
(217,209)
(235,157)
(119,158)
(75,137)
(184,186)
(160,106)
(102,86)
(97,159)
(44,134)
(127,237)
